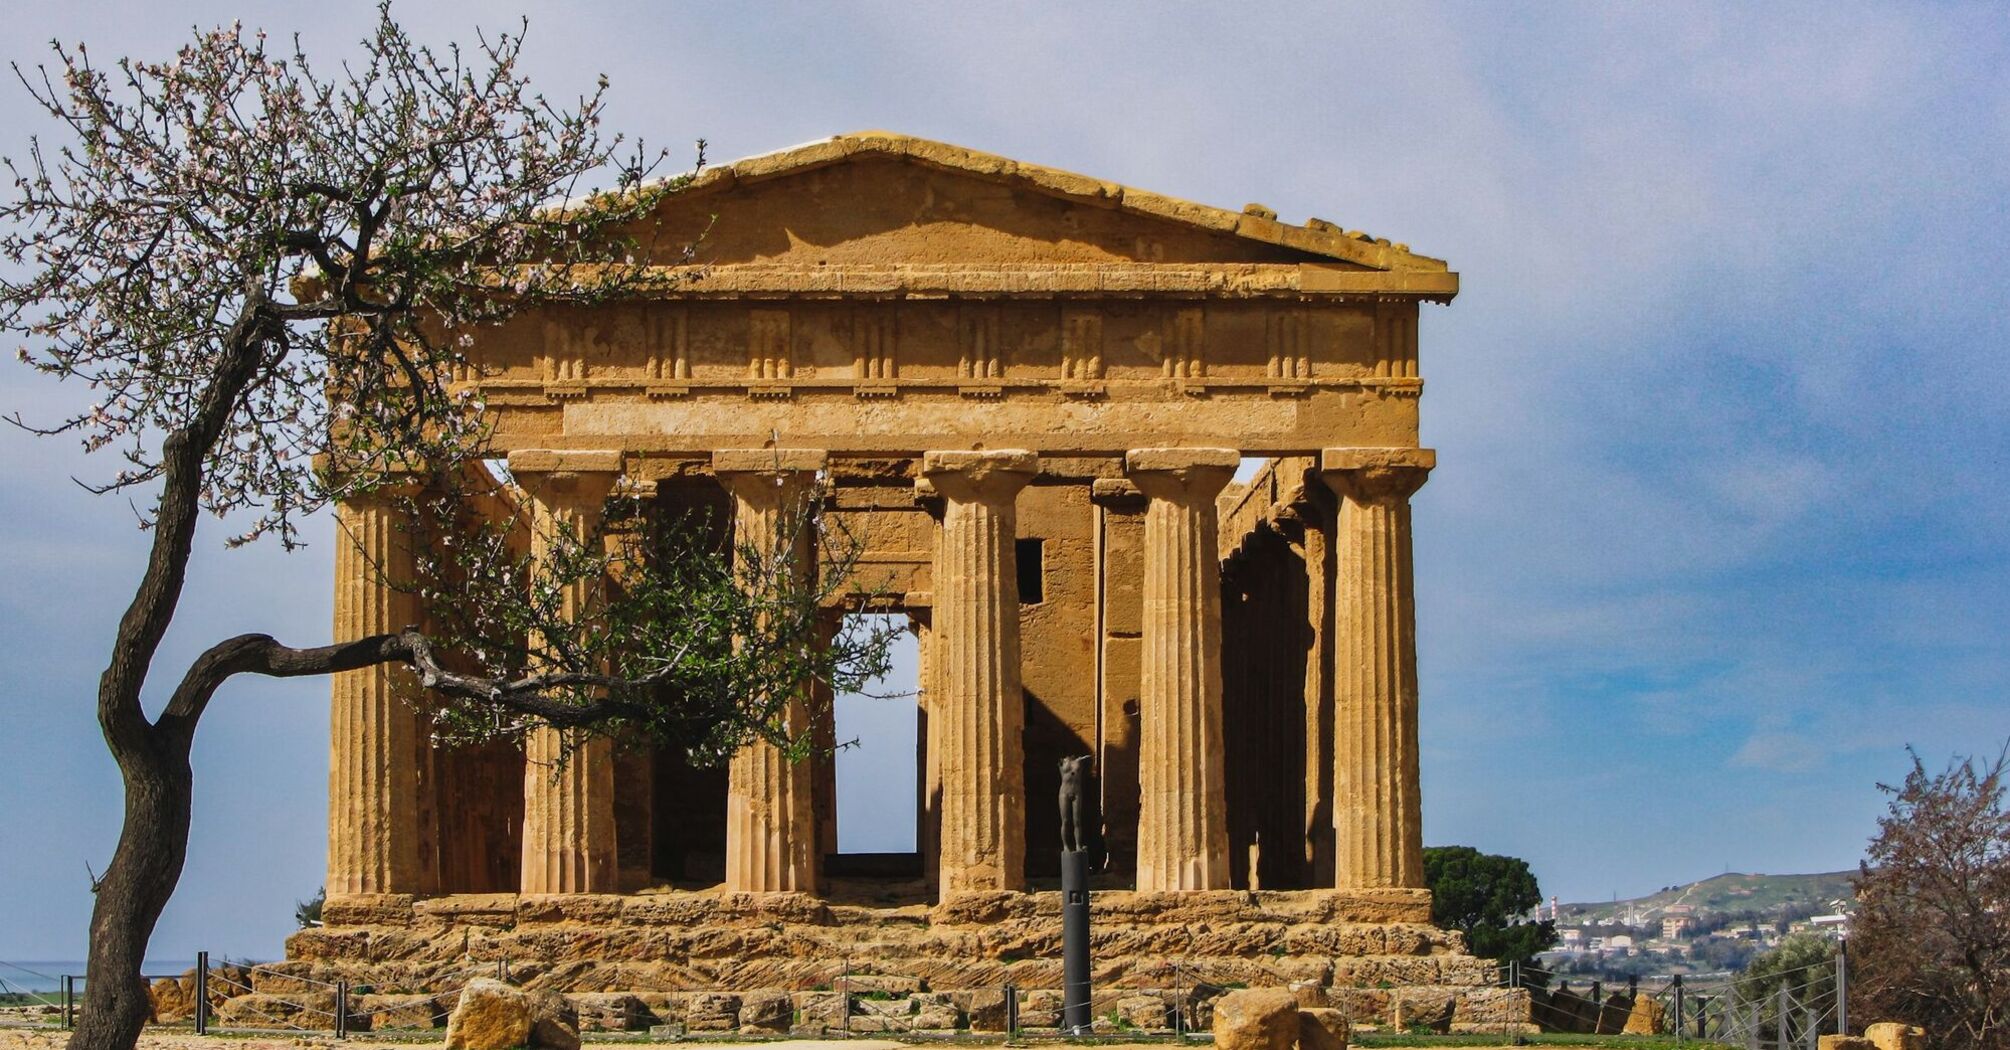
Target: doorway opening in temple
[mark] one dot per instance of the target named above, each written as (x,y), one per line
(880,736)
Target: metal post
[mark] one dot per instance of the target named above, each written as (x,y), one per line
(69,1001)
(341,1009)
(1679,1004)
(1842,986)
(1752,1030)
(1011,1011)
(1075,994)
(202,993)
(1782,1012)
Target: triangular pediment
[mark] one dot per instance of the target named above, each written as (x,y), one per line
(880,199)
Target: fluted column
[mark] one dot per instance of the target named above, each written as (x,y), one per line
(978,712)
(771,828)
(568,779)
(928,758)
(1182,818)
(373,833)
(1377,810)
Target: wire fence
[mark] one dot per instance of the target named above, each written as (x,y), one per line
(1782,1009)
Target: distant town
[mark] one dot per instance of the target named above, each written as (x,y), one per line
(1711,926)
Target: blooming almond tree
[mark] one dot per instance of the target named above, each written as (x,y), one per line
(267,276)
(1930,940)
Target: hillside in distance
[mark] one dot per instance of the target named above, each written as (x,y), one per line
(1731,893)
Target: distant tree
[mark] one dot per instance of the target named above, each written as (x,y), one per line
(268,273)
(1489,898)
(1930,941)
(1804,965)
(308,912)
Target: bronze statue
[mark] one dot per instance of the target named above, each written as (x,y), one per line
(1082,810)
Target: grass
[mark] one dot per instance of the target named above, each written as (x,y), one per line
(1628,1042)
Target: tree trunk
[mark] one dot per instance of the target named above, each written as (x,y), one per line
(152,846)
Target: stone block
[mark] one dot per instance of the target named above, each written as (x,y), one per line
(935,1012)
(173,1001)
(712,1012)
(261,1010)
(490,1016)
(1893,1035)
(1256,1019)
(1321,1028)
(1426,1009)
(1199,1006)
(827,1009)
(1484,1007)
(386,1013)
(1144,1011)
(766,1012)
(1844,1042)
(368,909)
(1040,1009)
(1647,1017)
(609,1011)
(986,1010)
(1361,1005)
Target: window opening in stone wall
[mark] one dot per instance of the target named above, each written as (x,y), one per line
(877,779)
(1032,572)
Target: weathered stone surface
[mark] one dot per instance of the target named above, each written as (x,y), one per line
(1647,1017)
(491,1015)
(1256,1019)
(1040,1008)
(1143,1011)
(1844,1042)
(609,1011)
(935,1011)
(1423,1008)
(986,1010)
(827,1009)
(173,1003)
(768,1011)
(259,1010)
(1322,1028)
(1122,355)
(889,983)
(381,1013)
(712,1012)
(1893,1035)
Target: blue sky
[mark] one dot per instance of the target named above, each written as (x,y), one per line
(1718,526)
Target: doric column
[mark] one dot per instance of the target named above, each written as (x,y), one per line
(927,759)
(1182,818)
(373,833)
(1377,812)
(568,777)
(771,831)
(978,714)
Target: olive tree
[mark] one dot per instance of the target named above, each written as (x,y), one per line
(268,277)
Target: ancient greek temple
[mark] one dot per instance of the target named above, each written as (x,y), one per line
(1027,391)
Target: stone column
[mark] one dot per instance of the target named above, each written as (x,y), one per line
(927,760)
(771,829)
(1377,812)
(978,712)
(568,777)
(1182,818)
(373,827)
